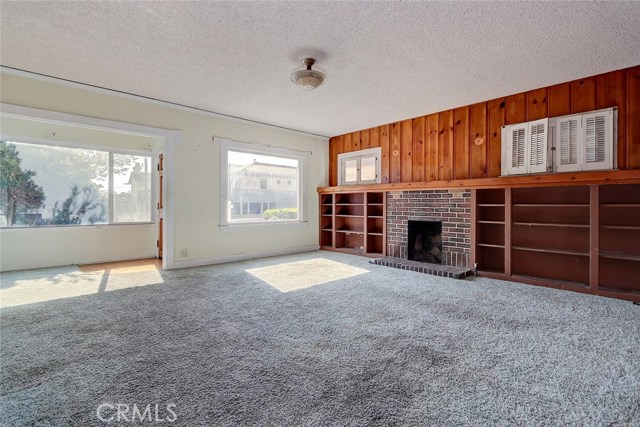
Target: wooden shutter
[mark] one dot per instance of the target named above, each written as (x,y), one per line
(514,150)
(537,138)
(598,135)
(568,156)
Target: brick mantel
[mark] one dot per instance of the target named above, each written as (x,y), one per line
(452,207)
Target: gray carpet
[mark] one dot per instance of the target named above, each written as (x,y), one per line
(381,347)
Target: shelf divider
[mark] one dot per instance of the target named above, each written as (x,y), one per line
(508,203)
(552,251)
(612,255)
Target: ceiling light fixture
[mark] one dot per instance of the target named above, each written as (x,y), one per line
(308,78)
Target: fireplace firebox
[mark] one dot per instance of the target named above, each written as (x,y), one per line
(425,241)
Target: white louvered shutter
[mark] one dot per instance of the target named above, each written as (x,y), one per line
(514,150)
(568,156)
(537,145)
(598,134)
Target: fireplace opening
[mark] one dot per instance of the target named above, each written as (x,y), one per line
(425,241)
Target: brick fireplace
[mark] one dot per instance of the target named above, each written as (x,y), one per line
(452,208)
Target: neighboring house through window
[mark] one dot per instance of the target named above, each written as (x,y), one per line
(261,184)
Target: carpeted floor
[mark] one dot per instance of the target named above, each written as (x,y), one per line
(320,339)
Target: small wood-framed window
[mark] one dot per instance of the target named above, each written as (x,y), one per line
(359,167)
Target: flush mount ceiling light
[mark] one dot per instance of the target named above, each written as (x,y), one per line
(308,78)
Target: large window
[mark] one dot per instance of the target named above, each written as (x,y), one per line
(260,184)
(44,185)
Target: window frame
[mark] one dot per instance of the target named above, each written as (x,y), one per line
(227,145)
(358,156)
(110,152)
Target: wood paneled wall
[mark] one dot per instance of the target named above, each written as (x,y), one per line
(442,146)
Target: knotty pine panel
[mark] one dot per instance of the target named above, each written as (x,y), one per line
(445,145)
(386,153)
(496,118)
(418,149)
(432,148)
(633,118)
(461,143)
(516,109)
(339,141)
(478,140)
(536,104)
(364,139)
(333,160)
(559,100)
(612,92)
(346,143)
(583,95)
(618,88)
(374,137)
(355,141)
(394,169)
(406,150)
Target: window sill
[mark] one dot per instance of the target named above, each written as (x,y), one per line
(256,226)
(80,226)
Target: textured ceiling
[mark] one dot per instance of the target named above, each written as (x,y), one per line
(385,61)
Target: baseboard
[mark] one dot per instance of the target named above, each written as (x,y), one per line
(242,257)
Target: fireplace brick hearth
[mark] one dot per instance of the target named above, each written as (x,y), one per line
(452,207)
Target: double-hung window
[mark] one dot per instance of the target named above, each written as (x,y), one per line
(261,184)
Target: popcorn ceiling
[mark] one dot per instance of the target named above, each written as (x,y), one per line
(386,61)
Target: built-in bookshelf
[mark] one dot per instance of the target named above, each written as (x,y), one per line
(353,222)
(619,238)
(550,233)
(490,216)
(575,237)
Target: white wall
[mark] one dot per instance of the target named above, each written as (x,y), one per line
(54,133)
(196,186)
(45,247)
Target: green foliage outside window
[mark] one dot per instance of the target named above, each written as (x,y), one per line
(280,214)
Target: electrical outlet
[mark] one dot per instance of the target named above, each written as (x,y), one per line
(184,253)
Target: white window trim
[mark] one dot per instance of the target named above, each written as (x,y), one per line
(358,155)
(110,152)
(249,147)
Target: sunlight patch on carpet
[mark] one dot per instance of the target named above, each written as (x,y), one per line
(33,286)
(123,267)
(292,276)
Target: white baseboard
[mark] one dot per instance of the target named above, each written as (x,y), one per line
(242,257)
